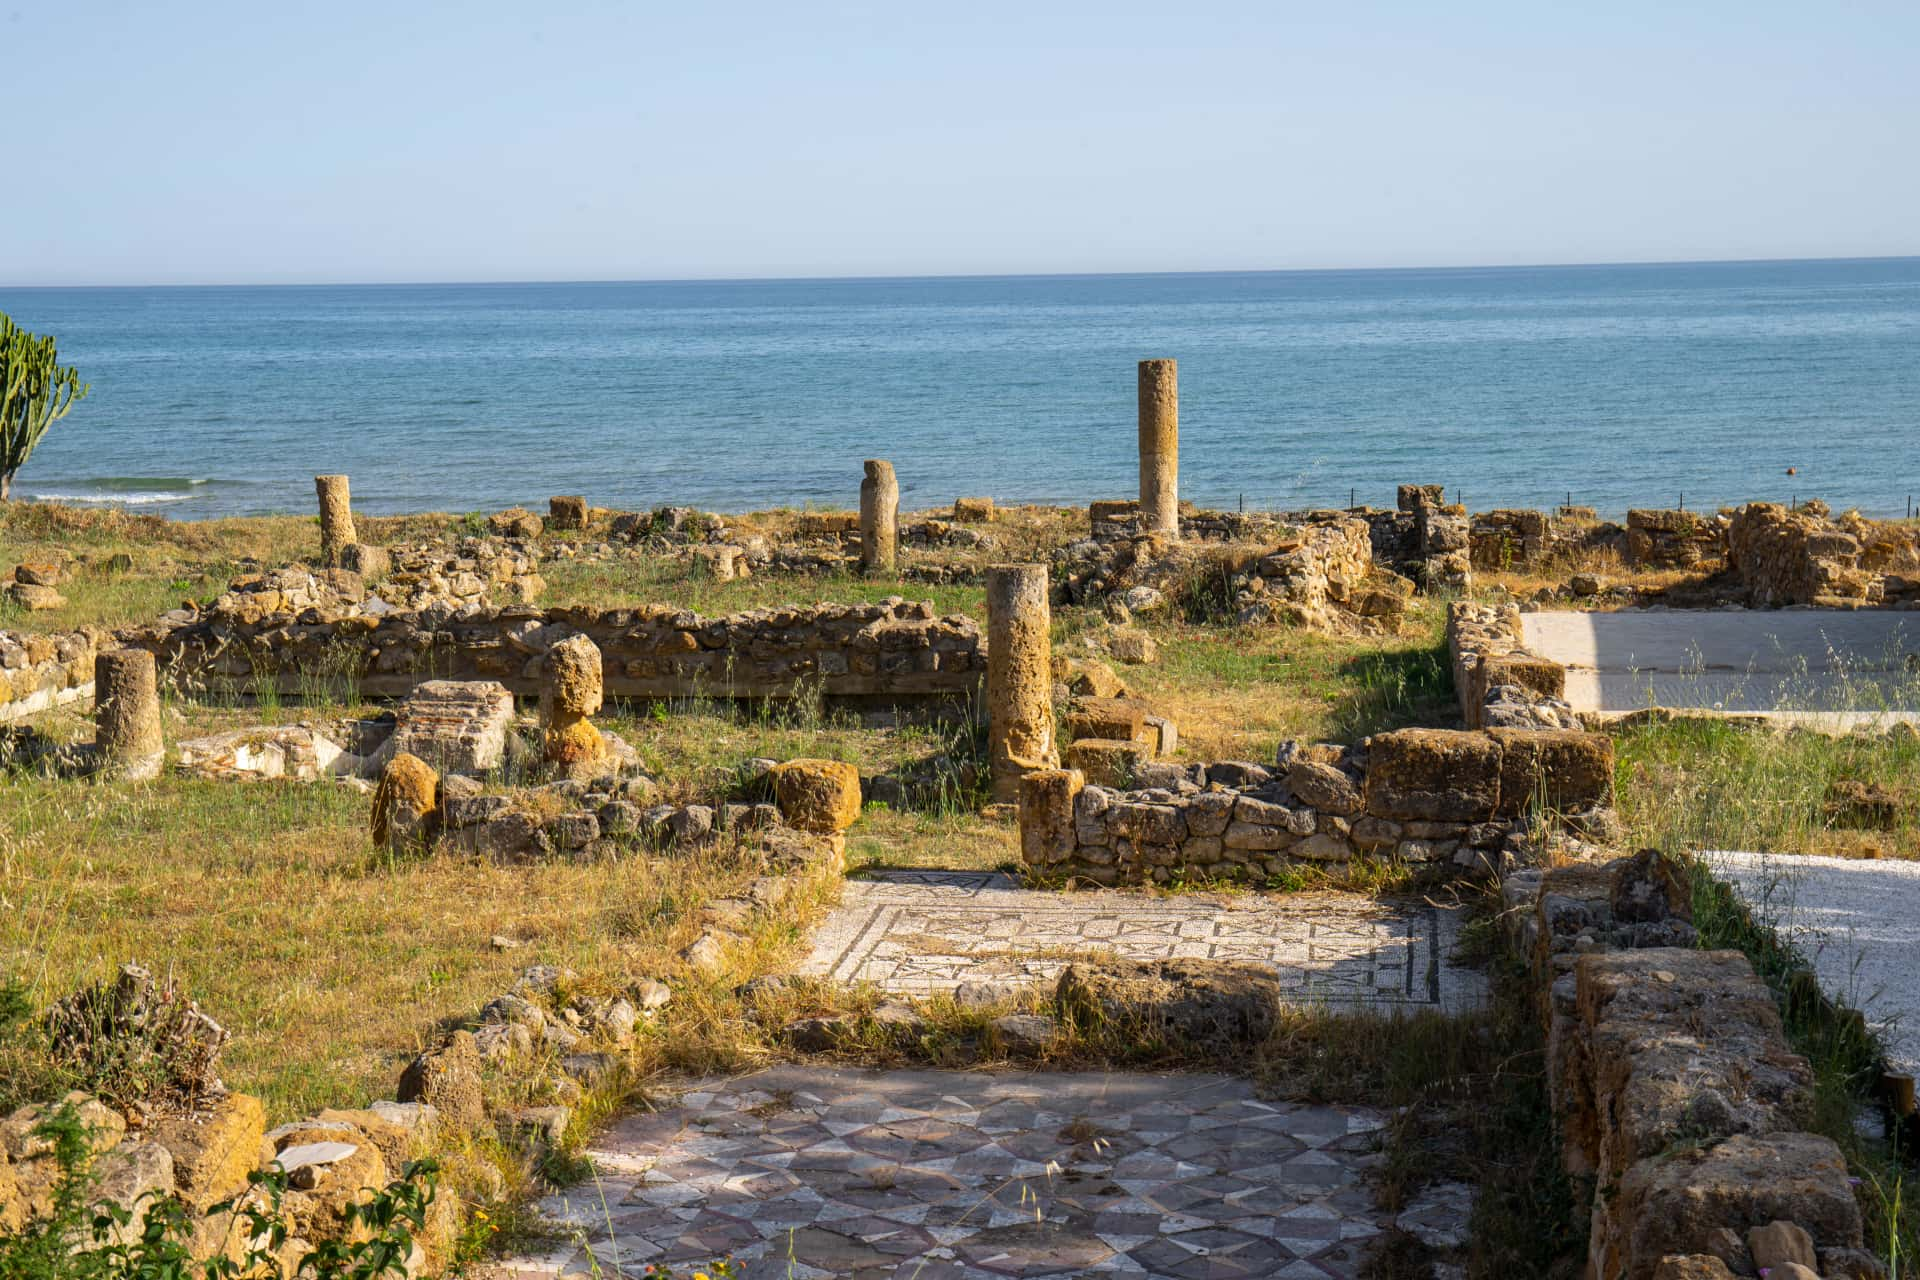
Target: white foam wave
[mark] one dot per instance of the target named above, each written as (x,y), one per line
(112,499)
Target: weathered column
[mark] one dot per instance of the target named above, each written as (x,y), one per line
(570,692)
(879,518)
(1160,447)
(126,714)
(1019,677)
(336,518)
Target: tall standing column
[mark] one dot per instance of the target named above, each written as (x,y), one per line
(1160,447)
(1019,677)
(879,518)
(126,714)
(336,518)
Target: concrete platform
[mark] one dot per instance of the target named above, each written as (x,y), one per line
(1834,669)
(1858,922)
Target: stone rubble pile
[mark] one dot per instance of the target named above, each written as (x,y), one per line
(1799,557)
(39,671)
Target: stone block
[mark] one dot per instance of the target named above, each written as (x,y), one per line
(817,795)
(405,804)
(1560,770)
(567,512)
(1122,719)
(213,1150)
(448,1080)
(1107,762)
(1323,787)
(1047,804)
(973,510)
(1440,775)
(455,726)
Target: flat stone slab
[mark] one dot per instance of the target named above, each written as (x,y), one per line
(1829,668)
(812,1173)
(917,933)
(1857,921)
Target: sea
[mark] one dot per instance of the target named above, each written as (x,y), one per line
(1700,384)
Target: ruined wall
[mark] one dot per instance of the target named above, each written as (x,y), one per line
(1674,539)
(1428,796)
(1681,1105)
(39,672)
(889,650)
(1797,556)
(1498,681)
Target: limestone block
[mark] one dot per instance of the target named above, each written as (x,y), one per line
(1558,769)
(515,522)
(213,1150)
(973,510)
(817,795)
(1108,762)
(1441,775)
(1122,719)
(448,1080)
(1047,809)
(405,803)
(456,726)
(1323,787)
(567,512)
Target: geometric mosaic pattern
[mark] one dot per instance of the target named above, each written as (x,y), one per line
(918,933)
(814,1172)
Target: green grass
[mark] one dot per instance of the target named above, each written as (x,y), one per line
(1712,784)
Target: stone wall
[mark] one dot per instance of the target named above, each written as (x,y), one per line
(1423,537)
(1526,539)
(1674,539)
(1429,796)
(1500,683)
(1682,1107)
(1797,556)
(892,650)
(39,672)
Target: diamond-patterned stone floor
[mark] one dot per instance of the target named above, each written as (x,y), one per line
(810,1172)
(916,933)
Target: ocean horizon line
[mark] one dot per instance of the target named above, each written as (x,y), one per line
(988,276)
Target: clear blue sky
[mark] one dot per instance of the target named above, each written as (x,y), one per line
(207,142)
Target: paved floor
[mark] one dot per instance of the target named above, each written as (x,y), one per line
(1857,921)
(1835,668)
(920,932)
(809,1173)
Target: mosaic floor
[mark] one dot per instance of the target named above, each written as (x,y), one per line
(919,932)
(811,1173)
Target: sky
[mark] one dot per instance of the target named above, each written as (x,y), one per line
(204,142)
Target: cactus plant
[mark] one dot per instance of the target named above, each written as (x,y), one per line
(36,391)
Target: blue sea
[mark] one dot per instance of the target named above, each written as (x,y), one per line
(1612,386)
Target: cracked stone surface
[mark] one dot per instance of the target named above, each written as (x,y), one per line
(916,933)
(811,1172)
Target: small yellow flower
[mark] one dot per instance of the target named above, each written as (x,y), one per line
(701,1275)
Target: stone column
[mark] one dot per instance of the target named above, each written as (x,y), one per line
(570,692)
(126,714)
(1160,447)
(1019,677)
(336,518)
(879,518)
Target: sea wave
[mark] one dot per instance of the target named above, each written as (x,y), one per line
(130,499)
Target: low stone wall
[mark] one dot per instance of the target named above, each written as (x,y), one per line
(1500,683)
(1797,556)
(1681,1105)
(895,649)
(1430,796)
(1526,539)
(1674,539)
(1424,538)
(39,672)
